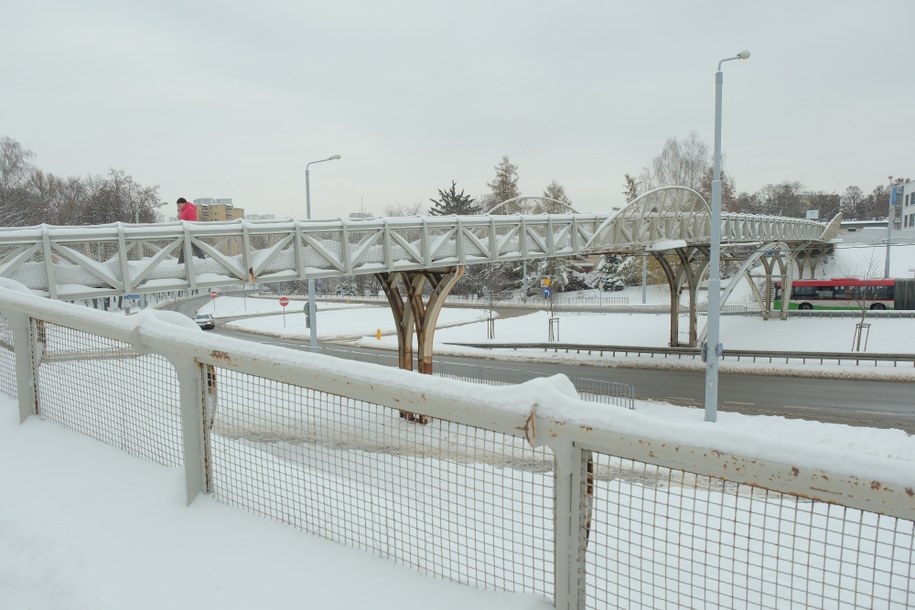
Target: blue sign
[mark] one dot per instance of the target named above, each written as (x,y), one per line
(893,196)
(547,292)
(132,297)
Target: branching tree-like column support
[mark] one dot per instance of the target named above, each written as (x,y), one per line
(404,290)
(686,272)
(808,258)
(775,268)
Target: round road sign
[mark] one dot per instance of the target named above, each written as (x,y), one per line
(213,294)
(284,301)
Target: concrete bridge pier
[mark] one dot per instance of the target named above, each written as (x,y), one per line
(412,312)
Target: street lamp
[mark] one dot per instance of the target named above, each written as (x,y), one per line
(136,214)
(312,310)
(712,349)
(890,221)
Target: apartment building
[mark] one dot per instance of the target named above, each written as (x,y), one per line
(905,203)
(215,210)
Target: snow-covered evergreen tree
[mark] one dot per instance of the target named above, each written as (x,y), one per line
(607,275)
(451,202)
(503,187)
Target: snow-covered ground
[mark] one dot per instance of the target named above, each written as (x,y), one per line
(359,326)
(84,526)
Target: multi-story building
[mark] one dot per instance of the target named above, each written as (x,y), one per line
(214,210)
(905,203)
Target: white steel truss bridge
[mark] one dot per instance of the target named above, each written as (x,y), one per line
(406,255)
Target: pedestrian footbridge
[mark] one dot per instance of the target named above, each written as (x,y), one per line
(406,255)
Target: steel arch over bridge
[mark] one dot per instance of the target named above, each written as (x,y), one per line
(406,255)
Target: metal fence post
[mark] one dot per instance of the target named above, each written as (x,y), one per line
(26,364)
(571,510)
(194,440)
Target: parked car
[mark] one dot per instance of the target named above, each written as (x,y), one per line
(206,321)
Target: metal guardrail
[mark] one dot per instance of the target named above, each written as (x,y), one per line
(610,304)
(694,352)
(850,313)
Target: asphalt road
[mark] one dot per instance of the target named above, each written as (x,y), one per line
(878,404)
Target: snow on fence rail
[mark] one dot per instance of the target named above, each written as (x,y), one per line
(519,488)
(595,390)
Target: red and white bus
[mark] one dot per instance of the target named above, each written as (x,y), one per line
(839,293)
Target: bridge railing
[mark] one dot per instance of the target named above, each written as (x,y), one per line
(69,263)
(520,488)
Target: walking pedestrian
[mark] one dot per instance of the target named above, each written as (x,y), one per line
(188,211)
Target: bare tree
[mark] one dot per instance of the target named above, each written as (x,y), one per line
(57,200)
(783,199)
(747,203)
(875,204)
(851,202)
(827,204)
(728,190)
(29,195)
(117,198)
(15,169)
(402,209)
(864,296)
(681,163)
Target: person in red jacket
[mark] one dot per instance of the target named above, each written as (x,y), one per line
(188,211)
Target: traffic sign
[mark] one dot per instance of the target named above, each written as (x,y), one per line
(213,294)
(547,292)
(284,301)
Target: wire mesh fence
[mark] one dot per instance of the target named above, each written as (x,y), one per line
(464,503)
(102,388)
(662,538)
(7,359)
(466,497)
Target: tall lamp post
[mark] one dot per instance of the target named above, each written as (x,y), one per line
(890,221)
(712,349)
(136,214)
(312,309)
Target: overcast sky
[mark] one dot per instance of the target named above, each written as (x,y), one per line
(232,98)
